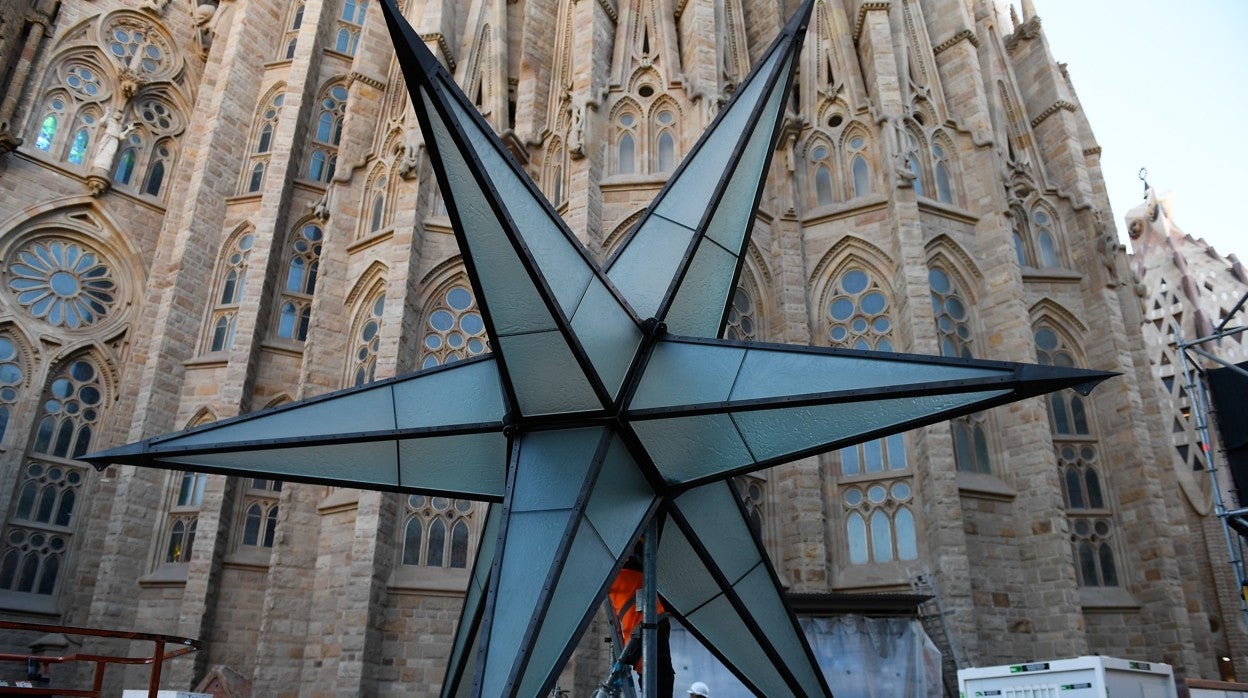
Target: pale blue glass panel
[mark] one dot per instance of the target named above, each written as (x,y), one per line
(620,499)
(528,554)
(688,447)
(459,394)
(466,632)
(607,333)
(474,465)
(699,304)
(585,574)
(545,375)
(716,519)
(734,216)
(514,302)
(786,431)
(566,271)
(856,529)
(881,536)
(768,373)
(723,628)
(762,598)
(644,269)
(680,373)
(372,463)
(906,546)
(365,410)
(682,578)
(686,199)
(552,468)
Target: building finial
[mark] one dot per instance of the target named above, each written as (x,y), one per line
(1029,10)
(1144,179)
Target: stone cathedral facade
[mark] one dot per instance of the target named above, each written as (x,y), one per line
(210,207)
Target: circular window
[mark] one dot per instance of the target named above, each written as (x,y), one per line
(63,283)
(836,120)
(645,91)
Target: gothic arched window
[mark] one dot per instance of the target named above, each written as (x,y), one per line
(626,143)
(368,340)
(953,332)
(742,324)
(858,156)
(821,169)
(858,312)
(879,524)
(50,485)
(665,142)
(53,116)
(262,142)
(438,531)
(1084,488)
(303,260)
(328,133)
(260,509)
(291,38)
(941,168)
(349,23)
(1046,243)
(231,280)
(454,328)
(13,375)
(123,173)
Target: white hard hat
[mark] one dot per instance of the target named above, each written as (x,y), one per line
(700,689)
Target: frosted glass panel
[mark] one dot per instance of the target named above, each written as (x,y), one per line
(607,333)
(545,375)
(685,201)
(552,468)
(699,304)
(621,497)
(585,575)
(644,269)
(474,465)
(689,447)
(733,217)
(679,373)
(759,593)
(716,520)
(682,578)
(464,645)
(369,409)
(781,432)
(531,543)
(464,393)
(512,300)
(566,271)
(370,463)
(773,373)
(720,623)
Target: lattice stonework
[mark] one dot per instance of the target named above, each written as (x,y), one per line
(62,282)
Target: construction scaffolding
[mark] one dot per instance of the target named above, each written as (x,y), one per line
(1234,520)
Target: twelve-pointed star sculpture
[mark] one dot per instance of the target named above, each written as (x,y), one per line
(606,401)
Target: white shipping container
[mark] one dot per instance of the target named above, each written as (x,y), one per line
(1081,677)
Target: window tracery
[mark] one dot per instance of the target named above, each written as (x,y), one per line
(858,155)
(1084,489)
(438,531)
(50,485)
(627,128)
(1035,240)
(303,259)
(138,47)
(953,332)
(231,281)
(262,143)
(13,373)
(858,312)
(291,38)
(350,22)
(62,282)
(742,324)
(328,133)
(454,328)
(260,509)
(820,158)
(368,340)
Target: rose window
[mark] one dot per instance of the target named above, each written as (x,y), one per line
(62,283)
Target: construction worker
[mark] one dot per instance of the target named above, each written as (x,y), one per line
(624,604)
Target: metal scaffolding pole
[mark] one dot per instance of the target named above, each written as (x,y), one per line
(1234,522)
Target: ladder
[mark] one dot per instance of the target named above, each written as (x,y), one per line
(935,621)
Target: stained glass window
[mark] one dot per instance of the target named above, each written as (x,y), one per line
(626,143)
(327,133)
(823,175)
(741,325)
(944,186)
(138,46)
(260,509)
(233,280)
(263,130)
(859,166)
(858,312)
(70,411)
(12,376)
(953,331)
(349,22)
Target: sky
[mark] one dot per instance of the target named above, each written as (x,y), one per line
(1164,83)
